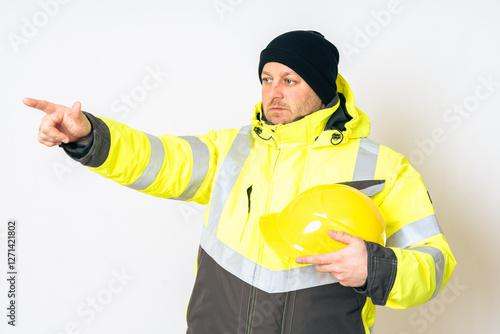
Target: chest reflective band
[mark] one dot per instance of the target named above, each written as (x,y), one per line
(236,263)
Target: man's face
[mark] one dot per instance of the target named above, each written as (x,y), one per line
(286,97)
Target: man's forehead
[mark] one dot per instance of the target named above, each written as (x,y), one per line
(275,68)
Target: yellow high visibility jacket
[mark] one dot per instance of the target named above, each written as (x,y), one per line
(243,286)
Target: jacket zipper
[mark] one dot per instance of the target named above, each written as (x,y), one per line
(252,298)
(285,318)
(253,290)
(253,293)
(252,302)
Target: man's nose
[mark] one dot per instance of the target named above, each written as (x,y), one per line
(276,90)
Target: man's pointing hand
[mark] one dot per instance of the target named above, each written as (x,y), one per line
(60,124)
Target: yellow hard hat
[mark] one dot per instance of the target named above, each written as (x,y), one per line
(301,227)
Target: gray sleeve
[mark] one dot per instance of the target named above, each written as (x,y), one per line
(97,150)
(382,270)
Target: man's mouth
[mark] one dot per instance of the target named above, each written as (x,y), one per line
(277,108)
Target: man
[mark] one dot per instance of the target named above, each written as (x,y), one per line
(305,132)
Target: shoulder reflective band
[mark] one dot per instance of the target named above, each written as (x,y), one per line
(439,262)
(366,161)
(258,276)
(228,174)
(156,158)
(411,234)
(201,161)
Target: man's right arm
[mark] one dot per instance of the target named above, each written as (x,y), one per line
(168,166)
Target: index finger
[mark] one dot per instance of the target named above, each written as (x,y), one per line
(42,105)
(315,259)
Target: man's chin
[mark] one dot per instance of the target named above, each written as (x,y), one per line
(278,120)
(274,118)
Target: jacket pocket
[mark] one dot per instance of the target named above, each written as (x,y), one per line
(249,196)
(249,206)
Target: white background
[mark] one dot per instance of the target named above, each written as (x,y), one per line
(413,65)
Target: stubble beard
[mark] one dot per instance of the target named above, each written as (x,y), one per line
(294,114)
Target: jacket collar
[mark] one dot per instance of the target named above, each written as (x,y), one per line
(303,132)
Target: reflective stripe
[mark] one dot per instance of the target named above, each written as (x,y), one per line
(228,174)
(156,158)
(411,234)
(228,258)
(366,161)
(201,161)
(438,257)
(263,278)
(373,190)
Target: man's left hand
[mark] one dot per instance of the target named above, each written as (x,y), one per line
(348,265)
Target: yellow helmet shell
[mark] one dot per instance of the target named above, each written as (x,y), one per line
(301,227)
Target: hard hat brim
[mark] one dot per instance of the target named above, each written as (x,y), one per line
(273,237)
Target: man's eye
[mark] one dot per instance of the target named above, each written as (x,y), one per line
(290,81)
(266,80)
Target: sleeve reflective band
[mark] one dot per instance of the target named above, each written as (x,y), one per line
(366,161)
(201,161)
(438,257)
(156,158)
(415,232)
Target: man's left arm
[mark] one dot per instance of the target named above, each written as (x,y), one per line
(416,262)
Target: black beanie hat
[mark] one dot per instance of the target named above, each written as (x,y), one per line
(310,55)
